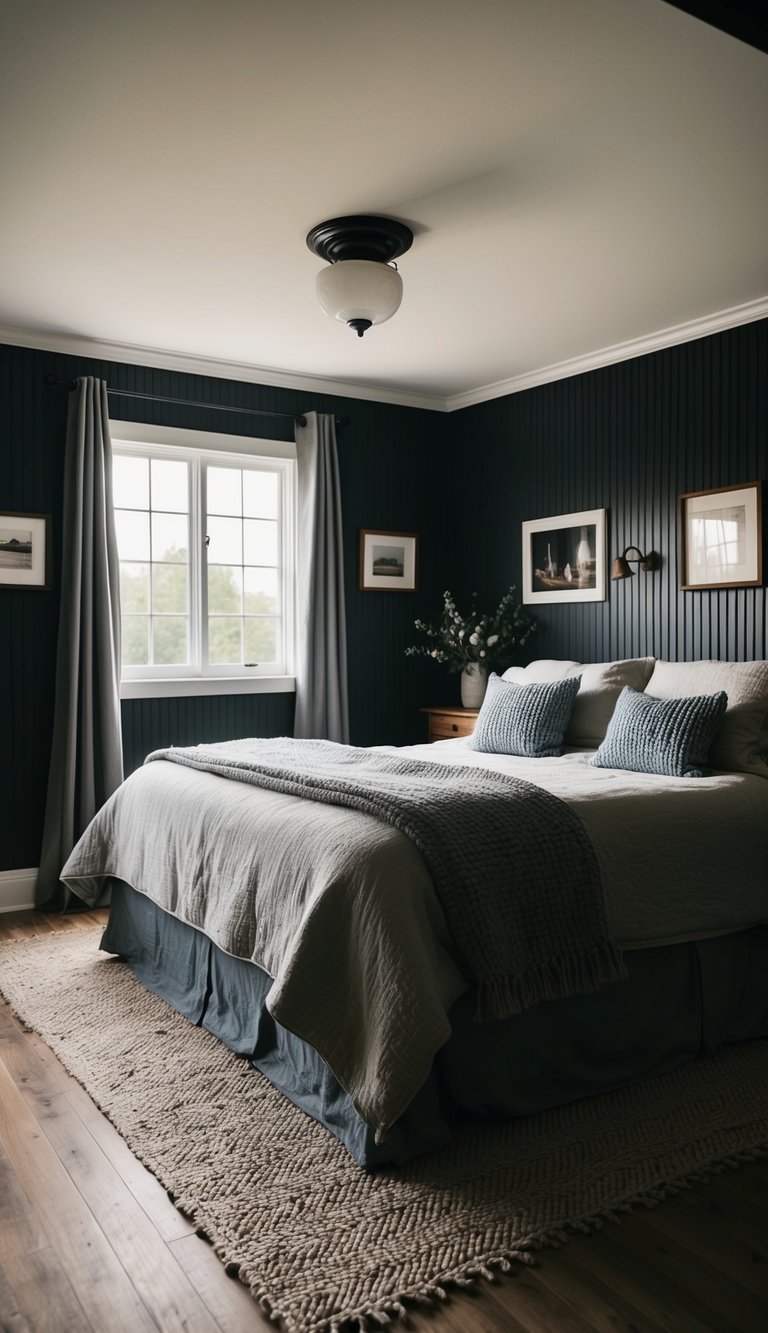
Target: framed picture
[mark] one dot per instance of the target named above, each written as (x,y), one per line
(564,558)
(388,560)
(720,537)
(25,550)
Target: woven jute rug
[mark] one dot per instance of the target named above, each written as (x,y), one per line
(319,1241)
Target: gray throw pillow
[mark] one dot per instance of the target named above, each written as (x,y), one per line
(672,737)
(741,744)
(601,685)
(527,720)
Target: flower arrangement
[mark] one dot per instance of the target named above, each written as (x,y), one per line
(459,641)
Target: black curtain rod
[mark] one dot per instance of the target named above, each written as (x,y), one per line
(54,383)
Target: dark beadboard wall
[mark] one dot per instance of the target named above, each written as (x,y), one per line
(629,438)
(392,463)
(149,724)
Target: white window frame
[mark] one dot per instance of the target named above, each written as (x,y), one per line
(197,446)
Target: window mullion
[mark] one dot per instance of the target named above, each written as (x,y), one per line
(200,510)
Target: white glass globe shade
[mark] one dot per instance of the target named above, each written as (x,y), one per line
(359,289)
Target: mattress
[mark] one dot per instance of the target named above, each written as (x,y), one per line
(680,858)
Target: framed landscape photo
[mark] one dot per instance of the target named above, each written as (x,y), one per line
(25,551)
(721,539)
(564,558)
(388,561)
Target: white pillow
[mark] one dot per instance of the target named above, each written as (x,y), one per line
(542,670)
(601,685)
(741,743)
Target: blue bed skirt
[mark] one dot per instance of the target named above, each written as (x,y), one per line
(677,1002)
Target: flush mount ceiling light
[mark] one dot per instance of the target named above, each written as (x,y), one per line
(361,287)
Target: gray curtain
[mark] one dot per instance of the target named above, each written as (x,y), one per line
(321,667)
(86,753)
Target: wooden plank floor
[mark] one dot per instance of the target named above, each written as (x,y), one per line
(90,1241)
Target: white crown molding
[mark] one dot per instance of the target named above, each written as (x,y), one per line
(17,890)
(191,364)
(187,363)
(608,356)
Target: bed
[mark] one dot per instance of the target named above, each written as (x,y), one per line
(310,936)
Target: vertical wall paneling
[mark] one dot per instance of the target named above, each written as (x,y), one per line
(151,724)
(630,438)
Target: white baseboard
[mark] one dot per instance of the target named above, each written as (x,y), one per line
(17,889)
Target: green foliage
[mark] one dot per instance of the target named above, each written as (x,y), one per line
(224,596)
(457,640)
(135,640)
(169,589)
(134,589)
(169,640)
(240,629)
(225,640)
(260,639)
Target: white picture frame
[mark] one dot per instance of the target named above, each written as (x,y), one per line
(564,558)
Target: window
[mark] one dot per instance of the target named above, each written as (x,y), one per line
(204,537)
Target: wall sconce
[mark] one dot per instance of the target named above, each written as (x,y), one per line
(621,569)
(361,286)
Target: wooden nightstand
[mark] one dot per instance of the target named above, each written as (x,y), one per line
(445,723)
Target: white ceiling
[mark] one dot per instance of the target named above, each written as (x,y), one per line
(578,174)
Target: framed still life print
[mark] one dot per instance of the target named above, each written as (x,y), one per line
(388,561)
(721,537)
(564,558)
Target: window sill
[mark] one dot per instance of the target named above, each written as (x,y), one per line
(188,686)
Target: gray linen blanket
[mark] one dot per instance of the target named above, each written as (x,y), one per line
(511,864)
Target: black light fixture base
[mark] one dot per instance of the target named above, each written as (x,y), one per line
(359,325)
(363,237)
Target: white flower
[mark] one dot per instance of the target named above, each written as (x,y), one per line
(462,632)
(482,652)
(478,629)
(473,638)
(434,652)
(494,638)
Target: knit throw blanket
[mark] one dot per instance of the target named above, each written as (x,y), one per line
(511,864)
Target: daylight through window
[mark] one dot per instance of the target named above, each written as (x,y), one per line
(205,562)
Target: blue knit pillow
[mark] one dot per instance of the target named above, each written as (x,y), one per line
(527,720)
(666,736)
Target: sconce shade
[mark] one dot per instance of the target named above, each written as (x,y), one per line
(360,287)
(621,569)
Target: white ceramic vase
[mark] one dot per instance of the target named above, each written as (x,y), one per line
(474,679)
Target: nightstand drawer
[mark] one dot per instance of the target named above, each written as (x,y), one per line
(448,723)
